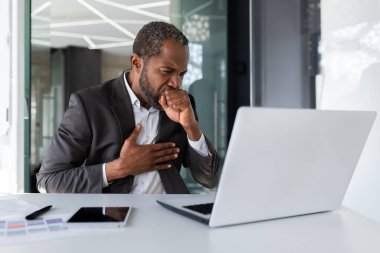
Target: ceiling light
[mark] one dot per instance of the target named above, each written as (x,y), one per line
(150,5)
(90,43)
(77,35)
(132,9)
(88,22)
(41,42)
(111,45)
(200,7)
(41,8)
(41,18)
(77,23)
(105,18)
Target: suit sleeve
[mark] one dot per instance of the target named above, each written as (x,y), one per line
(64,169)
(205,170)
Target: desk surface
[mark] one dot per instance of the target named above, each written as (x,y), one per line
(155,229)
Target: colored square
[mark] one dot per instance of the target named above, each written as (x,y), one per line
(56,228)
(12,222)
(16,232)
(37,230)
(54,221)
(35,222)
(18,224)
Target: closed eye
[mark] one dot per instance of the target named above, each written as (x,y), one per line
(167,71)
(181,75)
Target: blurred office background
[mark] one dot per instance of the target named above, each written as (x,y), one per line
(321,54)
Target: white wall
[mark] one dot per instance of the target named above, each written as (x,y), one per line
(12,85)
(350,80)
(6,175)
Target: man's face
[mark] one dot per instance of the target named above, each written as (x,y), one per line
(163,72)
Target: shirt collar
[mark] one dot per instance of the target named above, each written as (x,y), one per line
(132,95)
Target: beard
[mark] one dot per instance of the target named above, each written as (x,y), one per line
(150,96)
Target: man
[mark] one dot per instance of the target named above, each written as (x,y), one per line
(133,134)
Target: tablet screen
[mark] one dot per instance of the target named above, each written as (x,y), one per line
(100,214)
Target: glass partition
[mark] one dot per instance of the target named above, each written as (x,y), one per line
(349,80)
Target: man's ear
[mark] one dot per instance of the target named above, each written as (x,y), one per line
(137,62)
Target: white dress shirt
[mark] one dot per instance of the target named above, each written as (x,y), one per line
(150,182)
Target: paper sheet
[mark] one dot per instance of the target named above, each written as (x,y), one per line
(12,208)
(15,229)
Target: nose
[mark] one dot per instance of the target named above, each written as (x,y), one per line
(175,81)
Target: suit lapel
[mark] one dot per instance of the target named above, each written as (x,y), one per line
(121,106)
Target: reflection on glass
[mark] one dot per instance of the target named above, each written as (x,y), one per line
(347,53)
(371,39)
(194,68)
(351,71)
(197,28)
(110,26)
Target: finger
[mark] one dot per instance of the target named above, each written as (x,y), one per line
(161,167)
(166,158)
(170,97)
(178,102)
(176,94)
(170,93)
(163,101)
(165,152)
(161,146)
(135,134)
(164,104)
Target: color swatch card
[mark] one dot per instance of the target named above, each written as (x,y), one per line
(16,231)
(22,227)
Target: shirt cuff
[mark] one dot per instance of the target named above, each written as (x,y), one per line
(105,182)
(200,146)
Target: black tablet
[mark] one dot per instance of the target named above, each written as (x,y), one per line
(110,217)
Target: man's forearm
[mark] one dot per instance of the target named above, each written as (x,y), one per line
(193,131)
(85,179)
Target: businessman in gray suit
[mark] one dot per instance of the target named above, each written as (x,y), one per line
(132,134)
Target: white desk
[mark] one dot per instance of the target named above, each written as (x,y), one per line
(155,229)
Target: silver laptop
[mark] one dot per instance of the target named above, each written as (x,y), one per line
(282,163)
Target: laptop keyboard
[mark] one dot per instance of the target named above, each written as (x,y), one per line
(201,208)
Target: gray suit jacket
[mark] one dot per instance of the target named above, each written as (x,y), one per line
(92,132)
